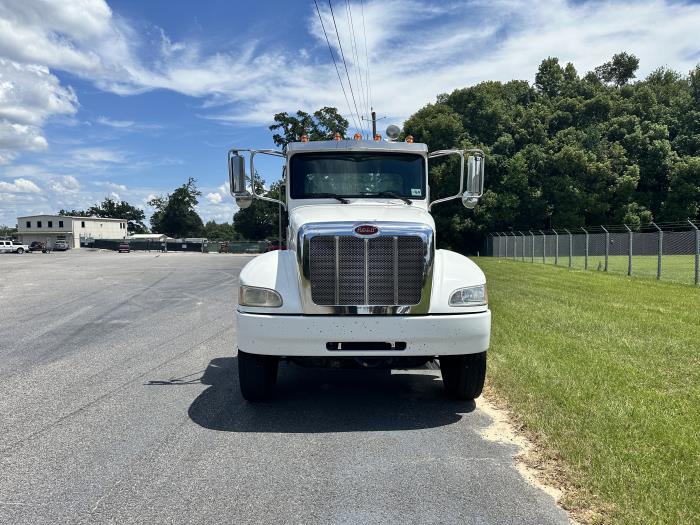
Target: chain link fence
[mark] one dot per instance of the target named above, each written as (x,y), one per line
(669,251)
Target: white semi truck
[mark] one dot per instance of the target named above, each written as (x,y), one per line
(362,283)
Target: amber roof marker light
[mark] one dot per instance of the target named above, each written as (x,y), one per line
(304,138)
(409,139)
(377,137)
(357,136)
(337,136)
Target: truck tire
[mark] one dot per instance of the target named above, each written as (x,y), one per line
(463,375)
(20,250)
(257,375)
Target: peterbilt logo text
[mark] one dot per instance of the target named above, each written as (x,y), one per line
(366,229)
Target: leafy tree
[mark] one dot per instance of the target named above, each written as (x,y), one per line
(121,210)
(175,213)
(322,125)
(7,231)
(550,77)
(619,70)
(220,231)
(116,210)
(73,213)
(436,124)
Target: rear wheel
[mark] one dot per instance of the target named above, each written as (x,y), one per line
(20,250)
(257,375)
(463,375)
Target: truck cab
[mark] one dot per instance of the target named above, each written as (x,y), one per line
(362,283)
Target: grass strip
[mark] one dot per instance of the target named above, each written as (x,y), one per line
(605,370)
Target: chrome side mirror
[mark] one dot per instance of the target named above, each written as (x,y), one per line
(236,173)
(475,180)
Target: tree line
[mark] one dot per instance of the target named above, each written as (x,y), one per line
(570,150)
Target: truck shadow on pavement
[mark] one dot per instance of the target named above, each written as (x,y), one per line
(324,400)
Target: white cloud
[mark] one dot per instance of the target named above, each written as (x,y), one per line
(120,124)
(97,156)
(29,94)
(214,198)
(65,184)
(19,186)
(418,50)
(465,44)
(129,125)
(112,186)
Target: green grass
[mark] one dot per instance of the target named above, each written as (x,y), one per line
(606,371)
(676,268)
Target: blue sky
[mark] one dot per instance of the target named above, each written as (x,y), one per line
(129,98)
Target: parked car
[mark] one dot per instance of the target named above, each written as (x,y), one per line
(60,245)
(38,246)
(123,247)
(13,247)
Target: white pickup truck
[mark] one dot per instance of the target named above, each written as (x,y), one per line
(13,247)
(362,283)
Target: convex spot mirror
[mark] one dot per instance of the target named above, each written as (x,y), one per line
(244,200)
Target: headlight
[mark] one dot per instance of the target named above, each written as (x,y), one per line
(254,296)
(471,296)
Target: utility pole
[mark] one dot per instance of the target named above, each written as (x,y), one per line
(374,123)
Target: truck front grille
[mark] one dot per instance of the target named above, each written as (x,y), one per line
(381,271)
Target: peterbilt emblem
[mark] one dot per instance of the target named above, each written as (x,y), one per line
(366,229)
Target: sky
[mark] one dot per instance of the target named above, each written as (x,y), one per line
(128,99)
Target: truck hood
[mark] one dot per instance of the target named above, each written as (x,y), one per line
(359,213)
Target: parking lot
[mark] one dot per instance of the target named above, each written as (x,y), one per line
(119,403)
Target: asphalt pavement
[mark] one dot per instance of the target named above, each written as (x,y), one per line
(119,403)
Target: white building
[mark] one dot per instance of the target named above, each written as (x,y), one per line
(49,228)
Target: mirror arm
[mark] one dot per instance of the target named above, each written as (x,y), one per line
(252,171)
(253,152)
(443,153)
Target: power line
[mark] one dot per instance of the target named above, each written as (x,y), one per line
(367,76)
(356,57)
(330,49)
(342,56)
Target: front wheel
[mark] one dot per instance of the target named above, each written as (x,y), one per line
(20,250)
(257,375)
(463,375)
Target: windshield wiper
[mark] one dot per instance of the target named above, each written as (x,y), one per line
(329,196)
(389,194)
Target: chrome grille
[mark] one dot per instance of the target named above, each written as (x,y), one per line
(379,271)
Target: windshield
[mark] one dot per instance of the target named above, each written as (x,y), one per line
(314,175)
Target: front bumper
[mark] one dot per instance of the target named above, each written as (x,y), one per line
(307,335)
